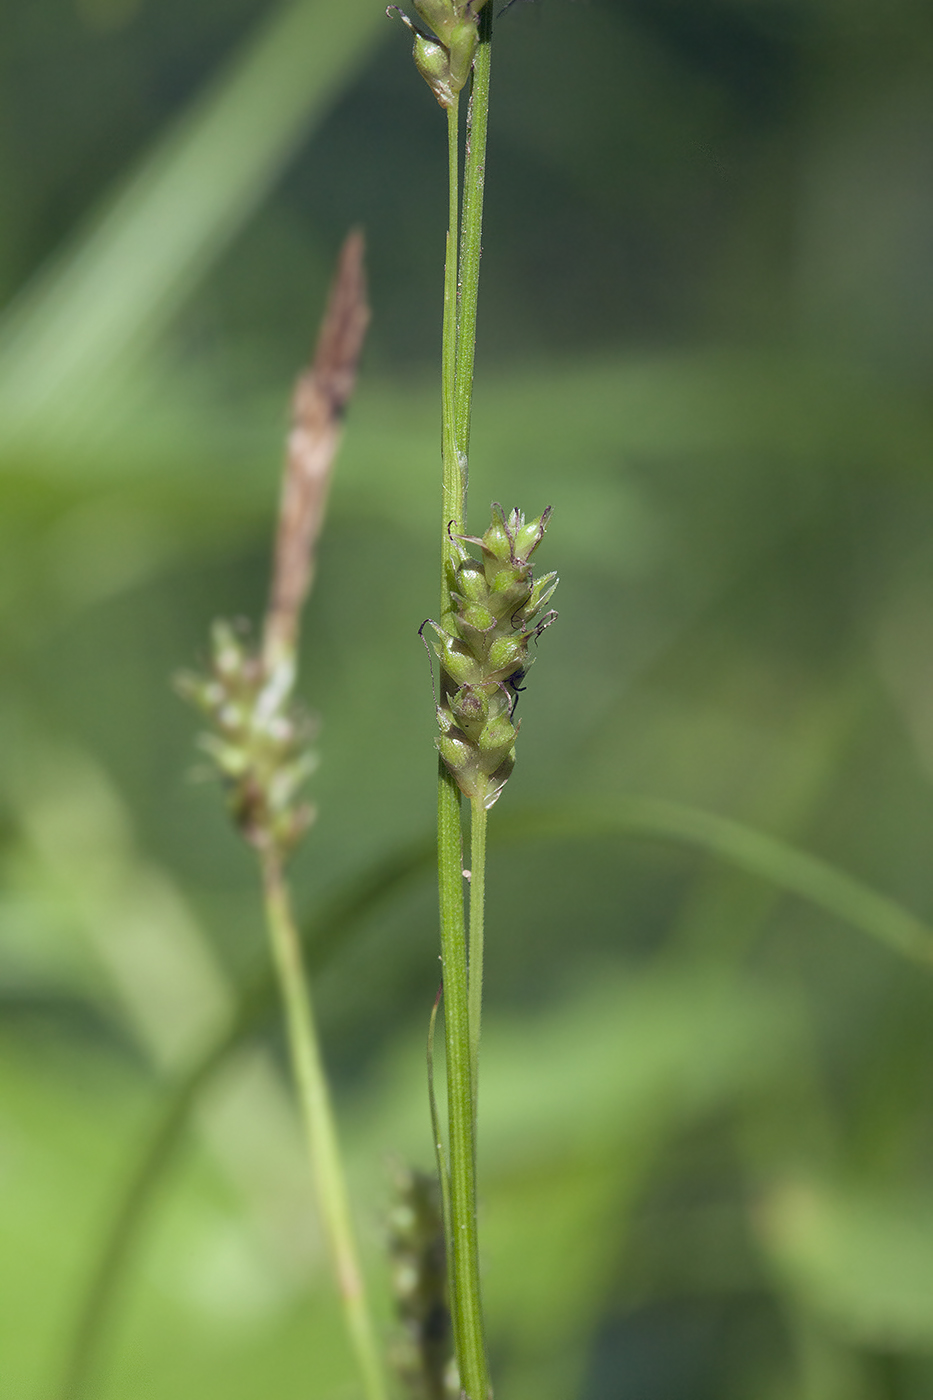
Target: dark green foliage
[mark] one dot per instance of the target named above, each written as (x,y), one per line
(706,338)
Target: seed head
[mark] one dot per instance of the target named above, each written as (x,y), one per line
(483,650)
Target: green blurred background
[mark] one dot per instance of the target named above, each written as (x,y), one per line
(706,338)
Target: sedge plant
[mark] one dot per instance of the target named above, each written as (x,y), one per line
(491,608)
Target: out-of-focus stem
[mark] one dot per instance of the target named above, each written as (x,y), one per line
(320,1127)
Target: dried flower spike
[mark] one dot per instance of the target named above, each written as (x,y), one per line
(259,738)
(483,651)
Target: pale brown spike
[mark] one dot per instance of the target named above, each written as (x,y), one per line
(320,398)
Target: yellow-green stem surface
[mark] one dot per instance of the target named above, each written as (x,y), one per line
(320,1128)
(462,1244)
(477,911)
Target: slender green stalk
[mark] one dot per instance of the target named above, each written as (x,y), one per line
(320,1128)
(477,913)
(453,517)
(463,1018)
(257,1001)
(463,1261)
(471,234)
(463,1248)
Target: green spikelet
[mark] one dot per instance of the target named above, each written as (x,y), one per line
(483,650)
(258,740)
(444,58)
(423,1354)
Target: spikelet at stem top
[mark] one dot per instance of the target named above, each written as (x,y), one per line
(483,651)
(446,34)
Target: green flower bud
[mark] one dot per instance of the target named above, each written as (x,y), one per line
(470,580)
(510,590)
(469,706)
(457,752)
(527,537)
(506,655)
(476,617)
(444,58)
(463,39)
(483,651)
(432,61)
(457,660)
(439,14)
(497,741)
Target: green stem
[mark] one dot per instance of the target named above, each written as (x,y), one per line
(453,503)
(320,1127)
(462,1244)
(323,937)
(477,912)
(463,1248)
(471,234)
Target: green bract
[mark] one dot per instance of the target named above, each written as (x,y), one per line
(444,57)
(483,650)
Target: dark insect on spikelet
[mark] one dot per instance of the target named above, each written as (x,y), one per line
(483,649)
(423,1353)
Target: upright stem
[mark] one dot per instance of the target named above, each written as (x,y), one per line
(453,517)
(463,1248)
(471,235)
(477,912)
(463,1263)
(320,1128)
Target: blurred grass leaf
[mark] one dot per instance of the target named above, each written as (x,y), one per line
(579,1099)
(67,341)
(860,1257)
(566,1093)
